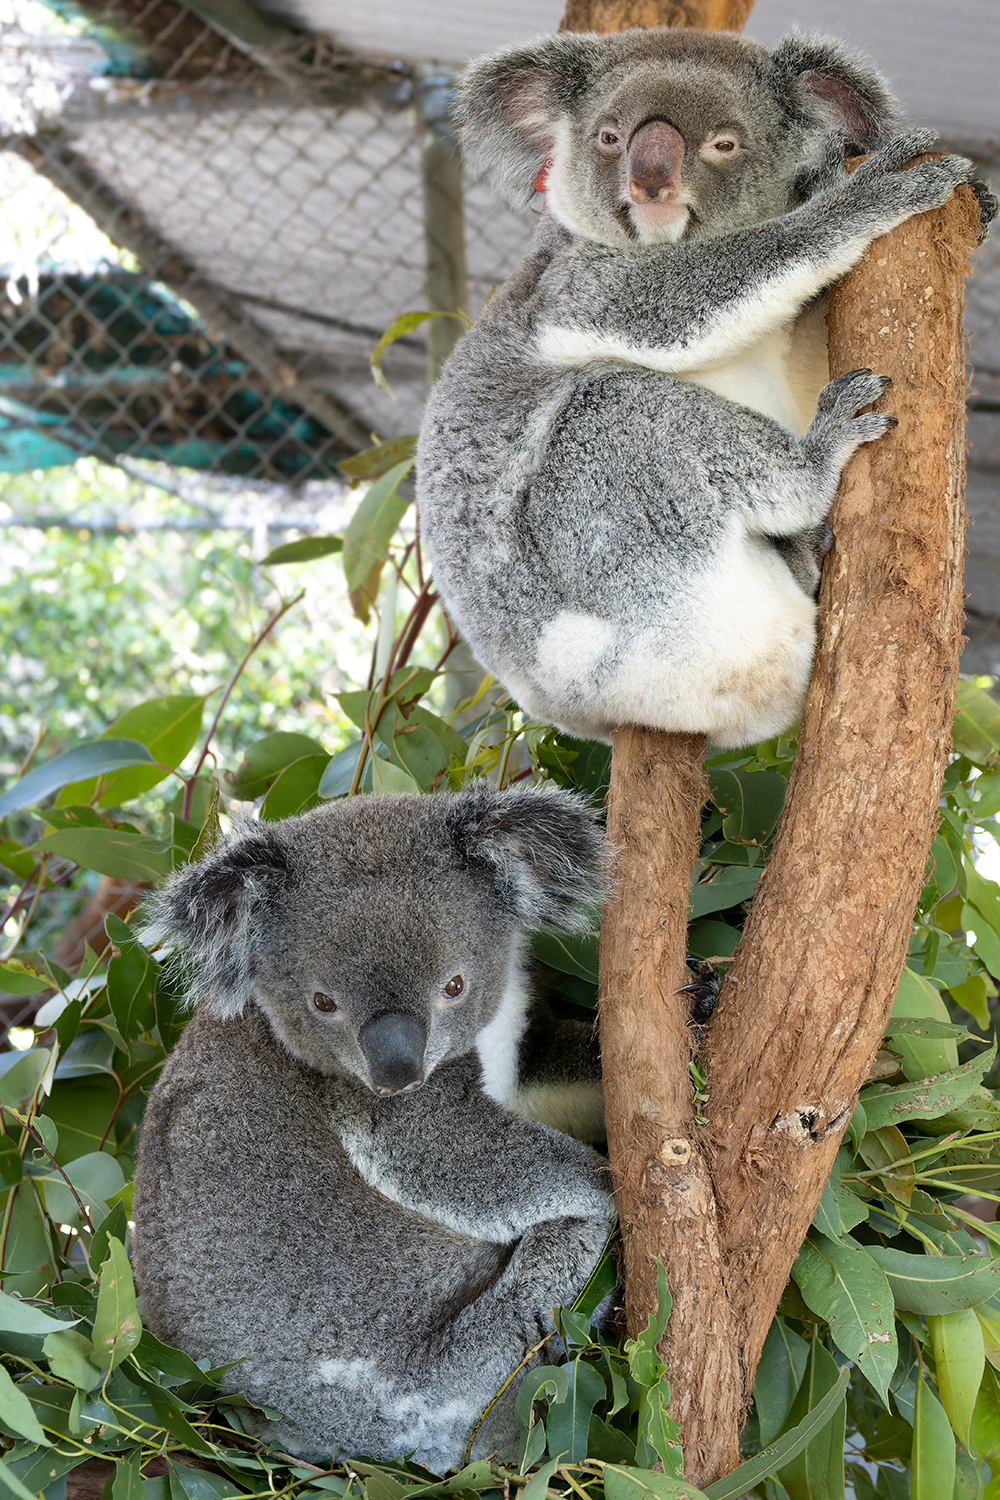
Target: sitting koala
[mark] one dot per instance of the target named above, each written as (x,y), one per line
(626,466)
(330,1184)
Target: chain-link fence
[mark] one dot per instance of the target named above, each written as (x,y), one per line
(254,232)
(204,241)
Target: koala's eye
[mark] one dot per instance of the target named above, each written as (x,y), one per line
(609,141)
(720,146)
(324,1002)
(454,987)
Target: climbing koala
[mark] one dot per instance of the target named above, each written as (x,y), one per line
(625,468)
(331,1185)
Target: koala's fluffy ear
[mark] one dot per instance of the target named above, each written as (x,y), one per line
(542,849)
(213,911)
(510,103)
(836,90)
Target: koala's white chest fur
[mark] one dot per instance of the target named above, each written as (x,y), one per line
(780,376)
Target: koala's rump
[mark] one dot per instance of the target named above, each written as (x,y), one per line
(256,1239)
(618,576)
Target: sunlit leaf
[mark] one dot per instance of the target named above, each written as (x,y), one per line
(94,758)
(399,328)
(374,462)
(307,549)
(936,1283)
(976,726)
(264,761)
(295,789)
(168,727)
(841,1282)
(928,1098)
(368,535)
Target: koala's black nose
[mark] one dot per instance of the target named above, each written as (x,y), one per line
(393,1043)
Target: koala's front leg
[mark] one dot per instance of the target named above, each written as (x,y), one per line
(452,1154)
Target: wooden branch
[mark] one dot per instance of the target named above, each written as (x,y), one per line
(620,15)
(805,1003)
(666,1203)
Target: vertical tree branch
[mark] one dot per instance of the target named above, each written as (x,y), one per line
(666,1202)
(806,999)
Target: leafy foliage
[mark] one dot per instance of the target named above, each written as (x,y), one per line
(882,1368)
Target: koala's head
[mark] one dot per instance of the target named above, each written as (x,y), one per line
(379,934)
(646,137)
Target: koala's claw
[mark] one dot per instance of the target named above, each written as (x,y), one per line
(703,989)
(847,394)
(989,206)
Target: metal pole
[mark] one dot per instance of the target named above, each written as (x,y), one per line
(445,286)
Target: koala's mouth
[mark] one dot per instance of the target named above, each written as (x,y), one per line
(659,222)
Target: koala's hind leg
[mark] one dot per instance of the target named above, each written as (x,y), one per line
(804,555)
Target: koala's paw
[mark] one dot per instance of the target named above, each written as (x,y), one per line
(989,206)
(837,423)
(703,989)
(900,150)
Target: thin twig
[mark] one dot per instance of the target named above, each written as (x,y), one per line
(258,640)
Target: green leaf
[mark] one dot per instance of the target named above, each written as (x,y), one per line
(96,1177)
(17,979)
(644,1363)
(779,1374)
(117,1328)
(404,324)
(959,1359)
(841,1282)
(368,535)
(264,761)
(295,789)
(17,1412)
(307,549)
(11,1163)
(986,945)
(127,1483)
(549,1383)
(93,758)
(608,1443)
(20,1084)
(816,1472)
(976,727)
(170,1413)
(168,727)
(916,1000)
(112,851)
(537,1486)
(389,778)
(20,1317)
(569,954)
(750,801)
(174,1362)
(132,976)
(70,1357)
(419,741)
(932,1284)
(113,1225)
(987,795)
(932,1457)
(600,1283)
(773,1458)
(568,1424)
(929,1098)
(338,777)
(621,1483)
(11,1485)
(984,1435)
(374,462)
(729,886)
(712,940)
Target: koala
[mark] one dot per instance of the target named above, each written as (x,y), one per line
(626,465)
(331,1185)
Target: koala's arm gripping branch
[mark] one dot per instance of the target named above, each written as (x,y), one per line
(699,310)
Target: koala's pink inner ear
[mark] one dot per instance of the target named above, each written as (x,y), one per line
(528,103)
(840,105)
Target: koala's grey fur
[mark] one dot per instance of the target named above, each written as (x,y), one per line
(623,470)
(344,1197)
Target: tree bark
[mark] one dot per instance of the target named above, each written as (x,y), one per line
(803,1010)
(620,15)
(806,999)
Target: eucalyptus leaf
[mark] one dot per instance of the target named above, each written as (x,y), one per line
(936,1283)
(729,886)
(307,549)
(168,727)
(928,1098)
(20,1317)
(17,1412)
(111,851)
(93,758)
(840,1281)
(368,535)
(117,1327)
